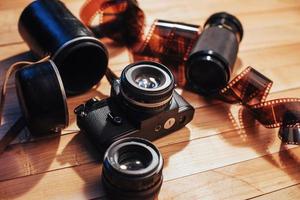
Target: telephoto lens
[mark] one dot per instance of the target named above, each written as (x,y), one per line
(213,56)
(147,86)
(50,29)
(132,169)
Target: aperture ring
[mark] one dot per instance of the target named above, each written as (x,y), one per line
(144,104)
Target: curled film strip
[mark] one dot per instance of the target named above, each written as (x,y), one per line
(121,20)
(171,42)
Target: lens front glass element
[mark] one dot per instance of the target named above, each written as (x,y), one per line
(145,81)
(132,169)
(148,77)
(133,158)
(146,86)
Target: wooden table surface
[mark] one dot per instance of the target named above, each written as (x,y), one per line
(213,157)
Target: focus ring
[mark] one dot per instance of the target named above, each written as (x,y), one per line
(143,180)
(145,95)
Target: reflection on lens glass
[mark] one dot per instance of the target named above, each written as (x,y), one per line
(147,82)
(132,164)
(134,158)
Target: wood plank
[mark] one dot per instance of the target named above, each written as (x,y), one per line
(242,180)
(71,160)
(191,158)
(53,150)
(284,24)
(82,182)
(12,11)
(209,127)
(276,70)
(288,193)
(246,58)
(212,158)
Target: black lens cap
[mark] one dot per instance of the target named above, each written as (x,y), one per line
(42,97)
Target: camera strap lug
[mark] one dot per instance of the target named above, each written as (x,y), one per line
(117,120)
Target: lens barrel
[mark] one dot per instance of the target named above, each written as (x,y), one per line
(211,61)
(49,28)
(132,169)
(147,85)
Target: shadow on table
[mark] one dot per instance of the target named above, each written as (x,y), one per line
(36,154)
(11,106)
(28,56)
(18,162)
(23,165)
(254,135)
(24,56)
(88,164)
(250,134)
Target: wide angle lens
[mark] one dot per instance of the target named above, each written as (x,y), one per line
(132,169)
(147,85)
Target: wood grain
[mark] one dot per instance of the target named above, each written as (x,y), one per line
(213,157)
(242,180)
(288,193)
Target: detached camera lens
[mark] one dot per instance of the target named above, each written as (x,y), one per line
(147,85)
(132,169)
(134,158)
(212,58)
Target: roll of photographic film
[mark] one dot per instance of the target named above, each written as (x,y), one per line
(49,28)
(120,20)
(42,99)
(132,169)
(204,61)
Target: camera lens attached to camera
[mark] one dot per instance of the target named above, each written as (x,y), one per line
(212,58)
(132,169)
(142,103)
(147,85)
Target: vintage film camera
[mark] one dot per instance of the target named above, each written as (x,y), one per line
(143,104)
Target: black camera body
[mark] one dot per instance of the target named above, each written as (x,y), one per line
(105,121)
